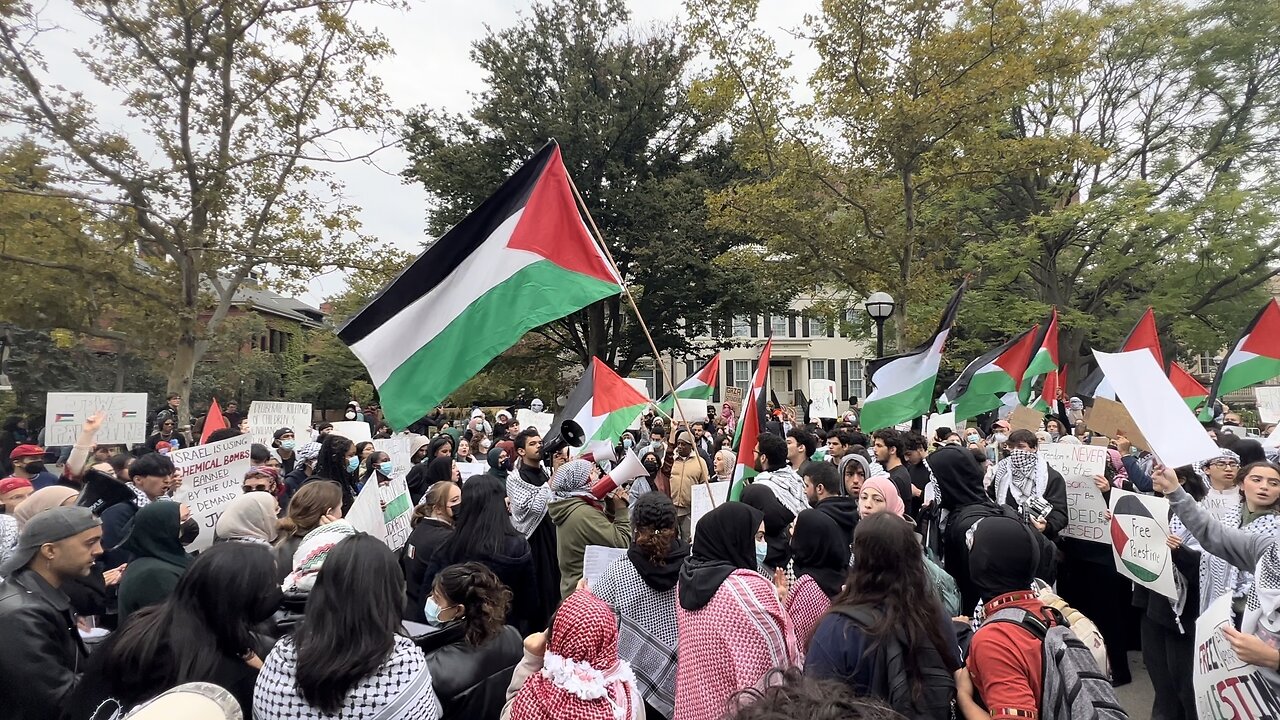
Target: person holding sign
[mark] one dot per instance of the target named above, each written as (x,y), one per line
(1259,636)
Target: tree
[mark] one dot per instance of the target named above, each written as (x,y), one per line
(617,100)
(235,107)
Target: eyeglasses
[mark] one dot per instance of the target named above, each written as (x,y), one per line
(1229,464)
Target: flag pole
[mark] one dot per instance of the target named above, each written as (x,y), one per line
(657,360)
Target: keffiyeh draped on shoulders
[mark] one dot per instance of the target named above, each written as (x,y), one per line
(528,503)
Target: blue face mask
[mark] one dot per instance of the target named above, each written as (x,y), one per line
(353,462)
(287,444)
(627,443)
(432,611)
(386,468)
(762,549)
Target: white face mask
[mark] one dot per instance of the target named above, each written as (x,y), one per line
(1001,437)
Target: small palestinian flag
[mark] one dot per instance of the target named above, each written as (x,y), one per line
(1254,358)
(1143,335)
(751,425)
(904,383)
(1045,359)
(698,386)
(520,260)
(603,404)
(983,381)
(1192,392)
(128,414)
(64,417)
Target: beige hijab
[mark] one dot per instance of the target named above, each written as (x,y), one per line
(250,517)
(730,461)
(41,500)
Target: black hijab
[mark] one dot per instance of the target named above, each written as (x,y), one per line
(724,542)
(777,518)
(1004,557)
(820,550)
(660,577)
(154,531)
(959,476)
(438,469)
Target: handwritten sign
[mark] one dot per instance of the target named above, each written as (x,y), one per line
(1139,540)
(733,396)
(353,430)
(1086,510)
(1226,686)
(124,417)
(397,448)
(701,503)
(267,417)
(212,476)
(397,512)
(823,395)
(1268,403)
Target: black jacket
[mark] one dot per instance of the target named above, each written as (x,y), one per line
(842,509)
(43,655)
(1055,492)
(514,567)
(471,682)
(115,527)
(427,535)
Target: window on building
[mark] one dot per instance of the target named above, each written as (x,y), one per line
(778,325)
(741,326)
(817,327)
(1207,365)
(851,384)
(646,374)
(818,370)
(742,374)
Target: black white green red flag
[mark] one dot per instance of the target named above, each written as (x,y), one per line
(751,424)
(1143,335)
(698,386)
(522,259)
(1254,358)
(1045,359)
(603,403)
(984,381)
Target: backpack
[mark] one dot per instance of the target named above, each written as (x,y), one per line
(1084,628)
(1072,687)
(889,679)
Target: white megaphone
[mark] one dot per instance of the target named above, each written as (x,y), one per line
(629,469)
(599,451)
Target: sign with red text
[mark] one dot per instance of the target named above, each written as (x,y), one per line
(1226,687)
(212,476)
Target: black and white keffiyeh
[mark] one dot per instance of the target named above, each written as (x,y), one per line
(647,636)
(1024,475)
(1219,577)
(528,503)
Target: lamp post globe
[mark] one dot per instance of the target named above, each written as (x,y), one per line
(879,305)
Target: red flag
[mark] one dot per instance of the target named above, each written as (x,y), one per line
(215,420)
(1144,336)
(1188,387)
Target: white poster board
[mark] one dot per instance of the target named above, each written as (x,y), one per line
(266,417)
(471,469)
(597,559)
(397,512)
(1268,403)
(939,420)
(1272,440)
(1226,686)
(542,421)
(354,430)
(688,411)
(124,419)
(822,393)
(1172,430)
(701,503)
(397,447)
(1086,510)
(641,387)
(212,476)
(1140,539)
(365,514)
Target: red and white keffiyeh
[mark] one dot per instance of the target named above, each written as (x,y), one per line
(582,677)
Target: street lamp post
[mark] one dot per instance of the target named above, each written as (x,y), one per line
(879,305)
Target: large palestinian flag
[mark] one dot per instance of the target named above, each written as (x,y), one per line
(904,383)
(983,381)
(1045,359)
(1254,358)
(698,386)
(1143,335)
(603,403)
(751,424)
(520,260)
(1192,392)
(1047,400)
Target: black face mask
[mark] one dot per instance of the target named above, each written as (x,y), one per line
(189,532)
(651,466)
(35,468)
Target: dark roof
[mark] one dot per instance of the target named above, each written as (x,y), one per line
(266,301)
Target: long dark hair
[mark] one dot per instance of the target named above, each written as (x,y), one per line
(888,574)
(352,617)
(332,462)
(481,594)
(481,524)
(209,616)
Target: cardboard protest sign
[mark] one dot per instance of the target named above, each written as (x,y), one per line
(1139,540)
(1268,403)
(365,514)
(124,419)
(212,476)
(528,418)
(1109,418)
(822,393)
(1172,431)
(1024,418)
(733,396)
(353,430)
(1086,510)
(397,512)
(1226,686)
(701,503)
(266,417)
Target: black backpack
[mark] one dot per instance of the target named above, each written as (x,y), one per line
(890,680)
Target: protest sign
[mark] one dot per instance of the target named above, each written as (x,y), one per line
(124,417)
(1171,429)
(822,393)
(1024,418)
(528,418)
(1226,686)
(597,559)
(212,476)
(701,501)
(397,447)
(1273,440)
(1139,540)
(1268,403)
(689,411)
(353,430)
(471,469)
(365,514)
(397,512)
(1109,418)
(733,396)
(936,420)
(266,417)
(1086,510)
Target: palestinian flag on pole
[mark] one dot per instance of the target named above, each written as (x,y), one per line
(520,260)
(983,381)
(1045,359)
(698,386)
(603,404)
(1049,390)
(1192,392)
(1254,358)
(904,383)
(1143,335)
(751,424)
